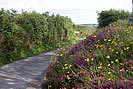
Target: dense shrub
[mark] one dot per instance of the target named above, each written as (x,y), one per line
(106,17)
(31,33)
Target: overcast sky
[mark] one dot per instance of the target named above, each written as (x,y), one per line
(80,11)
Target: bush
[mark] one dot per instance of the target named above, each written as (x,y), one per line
(31,33)
(107,17)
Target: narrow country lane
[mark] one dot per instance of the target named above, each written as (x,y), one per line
(25,73)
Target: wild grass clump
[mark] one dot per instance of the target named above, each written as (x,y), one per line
(103,60)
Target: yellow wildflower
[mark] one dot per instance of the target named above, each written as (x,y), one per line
(97,46)
(66,67)
(87,59)
(112,50)
(109,40)
(128,48)
(120,70)
(108,56)
(108,64)
(112,62)
(67,51)
(49,86)
(92,59)
(109,73)
(94,36)
(109,78)
(61,54)
(70,65)
(120,63)
(124,48)
(100,67)
(116,60)
(132,67)
(117,52)
(65,64)
(68,77)
(105,39)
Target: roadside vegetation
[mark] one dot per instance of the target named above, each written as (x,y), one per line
(104,60)
(29,33)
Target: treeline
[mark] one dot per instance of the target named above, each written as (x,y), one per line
(31,33)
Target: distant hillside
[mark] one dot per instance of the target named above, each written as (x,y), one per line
(93,25)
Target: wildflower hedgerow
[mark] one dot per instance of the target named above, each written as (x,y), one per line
(102,60)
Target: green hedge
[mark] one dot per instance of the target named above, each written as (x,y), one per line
(31,33)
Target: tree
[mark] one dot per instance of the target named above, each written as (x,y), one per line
(108,16)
